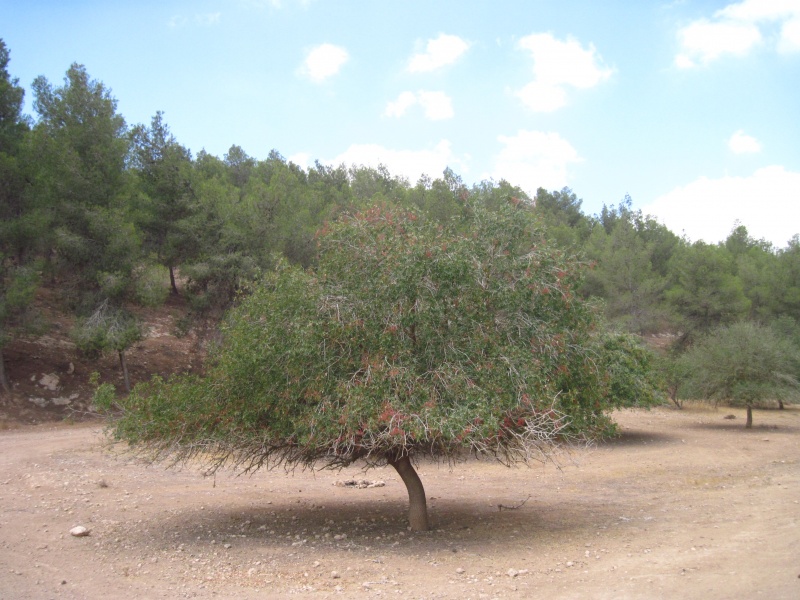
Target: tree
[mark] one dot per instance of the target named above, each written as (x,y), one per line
(165,171)
(13,124)
(83,144)
(562,216)
(624,278)
(408,340)
(786,281)
(743,363)
(108,329)
(705,291)
(19,226)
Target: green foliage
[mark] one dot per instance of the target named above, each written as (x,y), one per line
(107,328)
(410,337)
(786,282)
(18,286)
(149,285)
(167,197)
(105,394)
(12,122)
(214,283)
(743,363)
(630,370)
(81,183)
(624,277)
(705,292)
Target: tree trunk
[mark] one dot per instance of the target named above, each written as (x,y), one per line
(780,404)
(3,380)
(749,424)
(172,283)
(417,506)
(124,365)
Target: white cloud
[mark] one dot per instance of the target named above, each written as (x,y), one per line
(741,143)
(324,61)
(766,203)
(557,65)
(790,36)
(760,10)
(543,97)
(399,107)
(704,41)
(439,52)
(301,159)
(534,159)
(737,29)
(437,105)
(410,164)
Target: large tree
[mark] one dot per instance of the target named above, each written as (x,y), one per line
(82,145)
(19,228)
(19,224)
(409,339)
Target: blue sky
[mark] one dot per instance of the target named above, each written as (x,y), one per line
(691,108)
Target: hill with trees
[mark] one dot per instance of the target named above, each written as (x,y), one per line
(111,219)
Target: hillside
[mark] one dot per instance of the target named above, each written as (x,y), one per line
(50,377)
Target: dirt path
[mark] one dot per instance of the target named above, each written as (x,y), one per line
(685,505)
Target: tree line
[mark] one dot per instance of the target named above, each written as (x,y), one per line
(112,216)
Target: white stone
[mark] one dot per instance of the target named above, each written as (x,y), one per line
(50,381)
(79,531)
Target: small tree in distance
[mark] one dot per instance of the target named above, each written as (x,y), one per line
(108,328)
(410,339)
(745,364)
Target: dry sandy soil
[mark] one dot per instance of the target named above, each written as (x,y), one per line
(685,504)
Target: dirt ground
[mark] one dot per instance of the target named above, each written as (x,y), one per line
(685,504)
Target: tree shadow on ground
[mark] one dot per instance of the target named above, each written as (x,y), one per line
(637,437)
(365,525)
(737,425)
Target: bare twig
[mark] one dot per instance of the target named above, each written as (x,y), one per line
(500,507)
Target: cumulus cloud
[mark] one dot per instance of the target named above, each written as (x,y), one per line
(399,107)
(411,164)
(737,29)
(765,202)
(558,65)
(436,105)
(324,61)
(705,41)
(534,159)
(439,52)
(741,143)
(790,36)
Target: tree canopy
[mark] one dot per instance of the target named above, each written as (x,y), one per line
(745,364)
(409,339)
